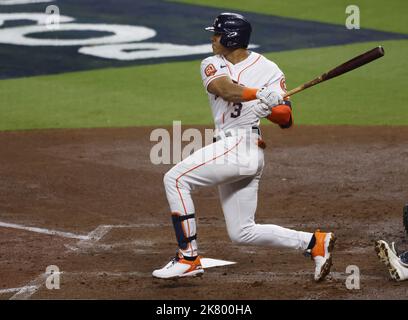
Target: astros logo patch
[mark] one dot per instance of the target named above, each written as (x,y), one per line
(283,84)
(210,70)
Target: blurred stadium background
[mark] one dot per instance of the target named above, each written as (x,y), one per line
(157,91)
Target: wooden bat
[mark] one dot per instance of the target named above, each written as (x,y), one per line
(352,64)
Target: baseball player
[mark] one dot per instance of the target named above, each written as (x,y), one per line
(397,263)
(243,87)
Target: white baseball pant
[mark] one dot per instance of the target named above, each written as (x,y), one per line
(235,165)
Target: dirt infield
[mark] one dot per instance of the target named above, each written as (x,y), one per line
(103,217)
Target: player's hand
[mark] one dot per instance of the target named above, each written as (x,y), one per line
(261,109)
(269,97)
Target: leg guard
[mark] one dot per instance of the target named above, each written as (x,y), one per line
(182,238)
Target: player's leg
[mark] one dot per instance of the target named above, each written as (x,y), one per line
(208,166)
(211,165)
(239,202)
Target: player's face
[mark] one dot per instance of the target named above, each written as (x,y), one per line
(217,47)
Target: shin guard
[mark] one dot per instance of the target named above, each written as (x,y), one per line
(182,238)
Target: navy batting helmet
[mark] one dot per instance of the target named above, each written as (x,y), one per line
(235,30)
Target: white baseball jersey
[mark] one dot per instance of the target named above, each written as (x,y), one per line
(255,71)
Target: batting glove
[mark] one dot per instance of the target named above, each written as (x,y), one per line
(269,97)
(261,110)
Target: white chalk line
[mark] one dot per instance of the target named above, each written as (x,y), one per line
(85,241)
(92,238)
(98,233)
(43,231)
(29,289)
(94,235)
(11,290)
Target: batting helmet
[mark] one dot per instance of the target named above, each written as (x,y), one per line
(235,30)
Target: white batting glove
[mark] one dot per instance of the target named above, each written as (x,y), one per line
(261,110)
(269,97)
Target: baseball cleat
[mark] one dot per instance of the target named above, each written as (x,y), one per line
(179,267)
(389,256)
(321,254)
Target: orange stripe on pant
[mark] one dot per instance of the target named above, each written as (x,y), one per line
(194,168)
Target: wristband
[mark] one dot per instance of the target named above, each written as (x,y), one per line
(249,94)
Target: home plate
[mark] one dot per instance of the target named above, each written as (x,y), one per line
(210,263)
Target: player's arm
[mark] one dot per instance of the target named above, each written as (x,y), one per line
(217,81)
(224,87)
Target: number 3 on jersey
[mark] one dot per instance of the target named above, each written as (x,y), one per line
(237,111)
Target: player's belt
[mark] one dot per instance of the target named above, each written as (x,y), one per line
(256,130)
(232,132)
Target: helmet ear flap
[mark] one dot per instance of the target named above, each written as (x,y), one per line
(234,40)
(228,43)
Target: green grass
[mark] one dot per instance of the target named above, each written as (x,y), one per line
(377,14)
(158,94)
(143,95)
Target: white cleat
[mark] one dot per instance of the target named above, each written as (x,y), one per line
(389,256)
(180,267)
(321,254)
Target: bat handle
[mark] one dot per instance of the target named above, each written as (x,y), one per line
(292,92)
(304,86)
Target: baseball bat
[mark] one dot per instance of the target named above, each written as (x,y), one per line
(352,64)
